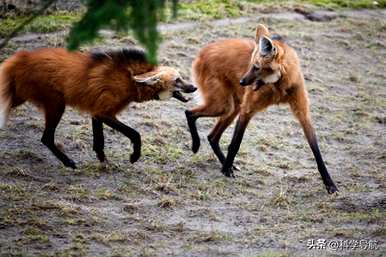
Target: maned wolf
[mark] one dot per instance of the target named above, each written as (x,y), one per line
(102,84)
(272,69)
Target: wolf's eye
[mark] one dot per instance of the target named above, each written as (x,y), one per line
(256,67)
(177,82)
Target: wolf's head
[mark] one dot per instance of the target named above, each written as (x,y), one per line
(265,64)
(166,82)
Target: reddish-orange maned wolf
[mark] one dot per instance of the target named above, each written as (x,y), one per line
(101,83)
(272,69)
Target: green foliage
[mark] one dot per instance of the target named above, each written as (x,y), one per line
(120,15)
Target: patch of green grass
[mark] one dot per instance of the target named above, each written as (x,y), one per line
(122,252)
(212,236)
(69,211)
(146,252)
(80,244)
(43,24)
(78,247)
(162,155)
(154,225)
(201,195)
(366,216)
(74,221)
(78,192)
(217,9)
(214,9)
(12,192)
(21,217)
(193,10)
(117,236)
(209,190)
(106,194)
(35,235)
(381,232)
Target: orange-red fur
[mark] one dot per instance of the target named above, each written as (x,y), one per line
(220,65)
(101,84)
(217,71)
(47,77)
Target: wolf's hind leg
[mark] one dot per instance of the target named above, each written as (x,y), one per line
(216,133)
(53,114)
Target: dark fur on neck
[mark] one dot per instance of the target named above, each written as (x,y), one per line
(132,58)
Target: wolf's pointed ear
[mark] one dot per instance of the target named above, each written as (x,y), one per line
(266,47)
(148,78)
(261,30)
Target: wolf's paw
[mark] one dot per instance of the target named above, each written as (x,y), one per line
(228,172)
(331,189)
(70,163)
(195,146)
(134,157)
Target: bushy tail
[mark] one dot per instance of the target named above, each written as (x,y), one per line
(5,95)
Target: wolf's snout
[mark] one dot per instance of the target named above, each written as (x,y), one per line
(249,78)
(243,82)
(189,89)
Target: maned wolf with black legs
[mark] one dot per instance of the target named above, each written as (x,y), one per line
(268,71)
(101,84)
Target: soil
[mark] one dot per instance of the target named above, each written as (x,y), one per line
(176,203)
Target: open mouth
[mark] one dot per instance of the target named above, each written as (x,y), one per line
(178,95)
(258,84)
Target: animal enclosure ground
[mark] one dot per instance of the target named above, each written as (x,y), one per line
(176,203)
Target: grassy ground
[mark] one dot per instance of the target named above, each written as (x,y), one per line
(192,10)
(175,203)
(43,24)
(201,9)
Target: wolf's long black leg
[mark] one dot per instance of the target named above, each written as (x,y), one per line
(215,135)
(234,146)
(53,114)
(132,134)
(98,139)
(327,180)
(193,130)
(300,108)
